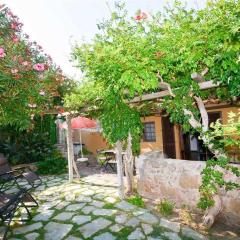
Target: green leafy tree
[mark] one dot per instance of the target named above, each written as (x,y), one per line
(173,50)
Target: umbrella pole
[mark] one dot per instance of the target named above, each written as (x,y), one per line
(81,148)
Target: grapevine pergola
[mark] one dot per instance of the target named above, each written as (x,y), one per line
(190,55)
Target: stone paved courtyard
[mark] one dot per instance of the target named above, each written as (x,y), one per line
(90,209)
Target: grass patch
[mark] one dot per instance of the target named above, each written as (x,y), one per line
(123,234)
(75,231)
(165,207)
(187,238)
(156,231)
(109,206)
(136,200)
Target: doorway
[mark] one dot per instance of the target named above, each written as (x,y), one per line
(193,148)
(168,138)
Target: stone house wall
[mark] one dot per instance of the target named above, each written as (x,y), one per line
(178,181)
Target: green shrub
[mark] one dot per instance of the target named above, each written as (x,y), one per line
(136,200)
(165,207)
(54,164)
(32,145)
(28,147)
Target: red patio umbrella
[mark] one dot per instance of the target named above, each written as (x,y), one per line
(80,123)
(83,122)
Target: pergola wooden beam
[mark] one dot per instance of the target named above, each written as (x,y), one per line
(161,94)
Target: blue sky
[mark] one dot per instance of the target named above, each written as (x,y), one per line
(55,24)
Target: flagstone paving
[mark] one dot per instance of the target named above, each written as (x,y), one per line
(86,210)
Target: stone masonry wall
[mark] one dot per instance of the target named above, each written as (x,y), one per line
(178,181)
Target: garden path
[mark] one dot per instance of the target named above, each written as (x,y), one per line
(90,209)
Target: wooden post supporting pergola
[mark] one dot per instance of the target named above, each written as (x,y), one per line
(71,163)
(69,148)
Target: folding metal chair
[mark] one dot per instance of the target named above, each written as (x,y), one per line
(9,204)
(102,159)
(8,175)
(10,178)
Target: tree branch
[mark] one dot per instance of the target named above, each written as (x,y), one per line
(205,71)
(203,112)
(192,121)
(199,77)
(164,85)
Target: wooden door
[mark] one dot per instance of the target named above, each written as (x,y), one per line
(168,138)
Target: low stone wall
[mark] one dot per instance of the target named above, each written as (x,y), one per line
(178,181)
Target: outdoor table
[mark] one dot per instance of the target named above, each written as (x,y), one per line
(111,162)
(112,151)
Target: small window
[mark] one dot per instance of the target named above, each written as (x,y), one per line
(149,132)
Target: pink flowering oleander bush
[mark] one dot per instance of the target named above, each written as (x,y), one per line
(29,81)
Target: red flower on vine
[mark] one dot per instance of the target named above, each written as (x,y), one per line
(141,16)
(138,17)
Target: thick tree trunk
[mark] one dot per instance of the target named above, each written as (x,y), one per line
(69,148)
(202,127)
(128,163)
(120,169)
(212,212)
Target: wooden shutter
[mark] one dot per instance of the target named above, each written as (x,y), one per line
(168,138)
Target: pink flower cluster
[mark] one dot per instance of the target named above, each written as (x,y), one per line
(2,52)
(141,16)
(15,25)
(40,67)
(25,63)
(15,39)
(26,54)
